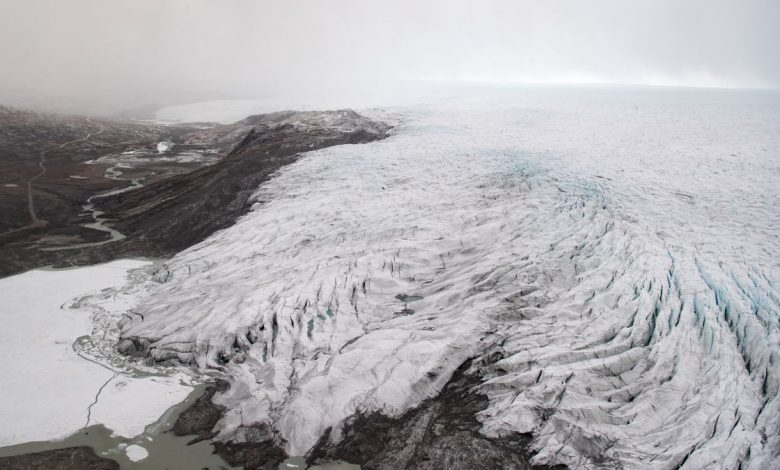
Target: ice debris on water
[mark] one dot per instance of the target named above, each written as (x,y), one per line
(136,453)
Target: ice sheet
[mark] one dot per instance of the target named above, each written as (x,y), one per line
(613,251)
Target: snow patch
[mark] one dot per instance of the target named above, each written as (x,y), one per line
(164,146)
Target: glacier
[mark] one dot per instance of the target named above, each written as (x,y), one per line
(609,257)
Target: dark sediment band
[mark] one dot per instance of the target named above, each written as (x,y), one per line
(443,432)
(71,458)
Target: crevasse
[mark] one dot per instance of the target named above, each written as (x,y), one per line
(611,256)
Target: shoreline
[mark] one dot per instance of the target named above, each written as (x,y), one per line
(162,446)
(69,399)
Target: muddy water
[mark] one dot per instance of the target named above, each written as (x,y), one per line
(159,446)
(165,450)
(300,463)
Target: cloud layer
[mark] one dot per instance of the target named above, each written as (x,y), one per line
(131,53)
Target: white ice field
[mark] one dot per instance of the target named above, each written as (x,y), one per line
(55,381)
(615,252)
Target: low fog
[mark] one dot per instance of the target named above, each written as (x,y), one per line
(115,56)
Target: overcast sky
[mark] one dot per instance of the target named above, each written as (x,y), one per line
(125,53)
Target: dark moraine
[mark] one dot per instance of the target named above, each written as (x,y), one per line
(71,458)
(261,451)
(441,433)
(200,418)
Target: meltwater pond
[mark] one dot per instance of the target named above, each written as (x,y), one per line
(612,254)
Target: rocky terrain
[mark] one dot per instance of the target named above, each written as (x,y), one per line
(76,190)
(71,458)
(68,142)
(441,433)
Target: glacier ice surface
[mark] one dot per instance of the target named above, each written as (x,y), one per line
(612,254)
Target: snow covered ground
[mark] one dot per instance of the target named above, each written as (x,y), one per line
(357,95)
(52,386)
(613,251)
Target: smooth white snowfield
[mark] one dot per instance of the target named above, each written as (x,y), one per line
(614,250)
(48,391)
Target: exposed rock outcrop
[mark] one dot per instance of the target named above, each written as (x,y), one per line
(200,184)
(71,458)
(442,433)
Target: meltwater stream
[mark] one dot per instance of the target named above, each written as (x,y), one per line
(612,252)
